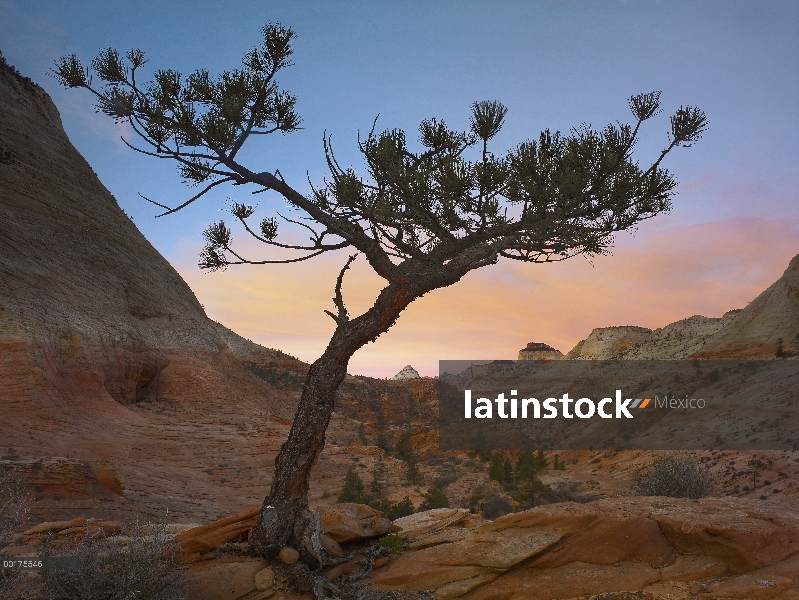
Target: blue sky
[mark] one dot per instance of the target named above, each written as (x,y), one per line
(554,64)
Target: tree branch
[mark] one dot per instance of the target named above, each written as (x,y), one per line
(338,300)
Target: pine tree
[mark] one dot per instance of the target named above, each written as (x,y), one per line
(413,469)
(423,217)
(403,508)
(404,450)
(382,442)
(541,460)
(362,434)
(526,465)
(497,470)
(353,490)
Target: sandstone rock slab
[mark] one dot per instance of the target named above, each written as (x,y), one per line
(223,578)
(694,568)
(194,544)
(429,521)
(348,522)
(569,581)
(611,540)
(480,554)
(748,587)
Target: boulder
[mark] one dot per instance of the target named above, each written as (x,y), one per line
(350,521)
(264,579)
(288,555)
(223,578)
(195,544)
(481,553)
(429,521)
(331,546)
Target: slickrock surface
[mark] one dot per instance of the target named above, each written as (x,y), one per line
(709,548)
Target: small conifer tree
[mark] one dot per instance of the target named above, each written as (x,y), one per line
(353,490)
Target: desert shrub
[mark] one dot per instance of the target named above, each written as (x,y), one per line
(403,508)
(144,569)
(679,475)
(434,498)
(446,479)
(13,512)
(496,506)
(393,542)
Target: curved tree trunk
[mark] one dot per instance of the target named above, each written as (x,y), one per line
(285,518)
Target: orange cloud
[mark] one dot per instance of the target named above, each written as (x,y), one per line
(663,274)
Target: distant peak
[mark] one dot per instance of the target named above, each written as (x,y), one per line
(407,372)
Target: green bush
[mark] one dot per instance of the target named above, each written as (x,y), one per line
(496,506)
(403,508)
(393,542)
(678,475)
(434,498)
(145,569)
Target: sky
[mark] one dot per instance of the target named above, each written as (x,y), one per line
(554,64)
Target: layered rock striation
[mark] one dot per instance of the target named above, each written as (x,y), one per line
(539,351)
(105,352)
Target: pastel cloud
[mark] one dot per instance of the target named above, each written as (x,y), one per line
(668,273)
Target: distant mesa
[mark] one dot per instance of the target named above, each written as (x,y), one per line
(539,351)
(408,372)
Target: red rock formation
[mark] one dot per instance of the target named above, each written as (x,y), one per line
(105,352)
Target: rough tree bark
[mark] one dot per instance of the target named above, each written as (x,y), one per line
(285,518)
